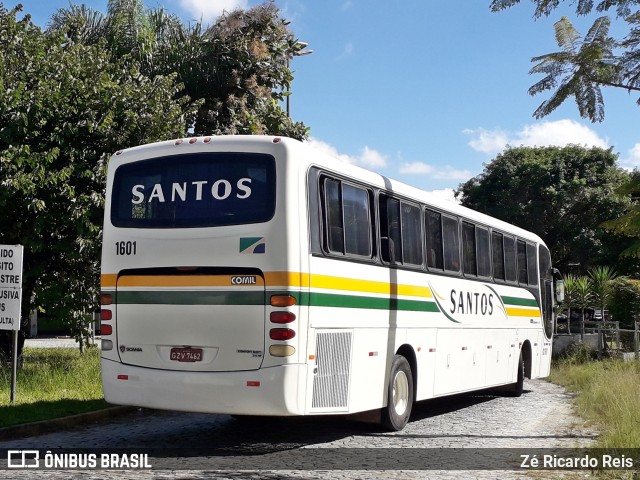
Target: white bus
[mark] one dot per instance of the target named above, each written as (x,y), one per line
(255,275)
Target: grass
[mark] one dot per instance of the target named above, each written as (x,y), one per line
(608,394)
(52,383)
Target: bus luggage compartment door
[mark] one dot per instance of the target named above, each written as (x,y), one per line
(191,320)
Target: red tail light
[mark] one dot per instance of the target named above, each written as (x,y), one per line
(282,317)
(106,329)
(106,314)
(281,334)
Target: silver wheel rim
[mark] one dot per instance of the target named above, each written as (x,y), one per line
(400,393)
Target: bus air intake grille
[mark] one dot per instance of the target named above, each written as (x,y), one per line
(333,360)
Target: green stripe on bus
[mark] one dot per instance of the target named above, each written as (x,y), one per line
(190,298)
(258,298)
(375,303)
(523,302)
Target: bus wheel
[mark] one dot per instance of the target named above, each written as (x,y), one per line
(515,389)
(399,395)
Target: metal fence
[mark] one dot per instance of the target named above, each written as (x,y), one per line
(614,341)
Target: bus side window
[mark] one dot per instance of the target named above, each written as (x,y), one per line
(532,266)
(333,215)
(433,224)
(411,235)
(451,242)
(483,252)
(391,244)
(469,249)
(347,219)
(498,255)
(523,277)
(510,259)
(357,221)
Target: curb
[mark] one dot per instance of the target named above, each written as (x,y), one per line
(62,423)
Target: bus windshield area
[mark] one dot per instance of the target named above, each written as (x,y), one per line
(194,190)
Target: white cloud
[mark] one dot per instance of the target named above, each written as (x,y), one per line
(633,158)
(560,133)
(419,168)
(372,158)
(444,194)
(368,157)
(209,10)
(552,133)
(445,172)
(487,141)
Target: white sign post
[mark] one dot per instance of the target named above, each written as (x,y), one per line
(11,300)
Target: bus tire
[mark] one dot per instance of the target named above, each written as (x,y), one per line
(399,395)
(516,389)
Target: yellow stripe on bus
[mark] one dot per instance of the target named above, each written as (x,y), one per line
(330,282)
(522,312)
(108,280)
(287,279)
(281,279)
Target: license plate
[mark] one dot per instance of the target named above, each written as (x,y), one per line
(186,354)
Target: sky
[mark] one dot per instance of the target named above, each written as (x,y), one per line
(422,91)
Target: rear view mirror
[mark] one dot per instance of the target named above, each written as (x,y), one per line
(559,290)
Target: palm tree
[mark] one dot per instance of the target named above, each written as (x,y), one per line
(569,297)
(581,68)
(601,278)
(128,29)
(236,69)
(583,296)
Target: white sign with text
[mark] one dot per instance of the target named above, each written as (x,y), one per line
(10,286)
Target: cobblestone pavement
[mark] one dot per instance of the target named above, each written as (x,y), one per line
(342,449)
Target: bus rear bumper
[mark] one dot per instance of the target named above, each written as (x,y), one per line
(268,391)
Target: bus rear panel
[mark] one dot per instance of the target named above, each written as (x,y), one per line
(194,250)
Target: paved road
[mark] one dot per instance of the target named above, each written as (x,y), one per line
(53,342)
(541,418)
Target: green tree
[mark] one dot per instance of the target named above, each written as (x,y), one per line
(237,66)
(65,108)
(602,278)
(585,64)
(570,300)
(582,298)
(563,194)
(629,222)
(624,304)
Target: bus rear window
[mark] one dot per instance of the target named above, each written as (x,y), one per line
(194,190)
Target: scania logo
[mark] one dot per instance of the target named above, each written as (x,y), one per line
(130,349)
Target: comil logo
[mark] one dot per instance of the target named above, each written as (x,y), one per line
(23,459)
(244,280)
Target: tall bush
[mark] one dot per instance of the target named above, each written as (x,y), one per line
(624,303)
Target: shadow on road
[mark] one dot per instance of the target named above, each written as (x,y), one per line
(237,436)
